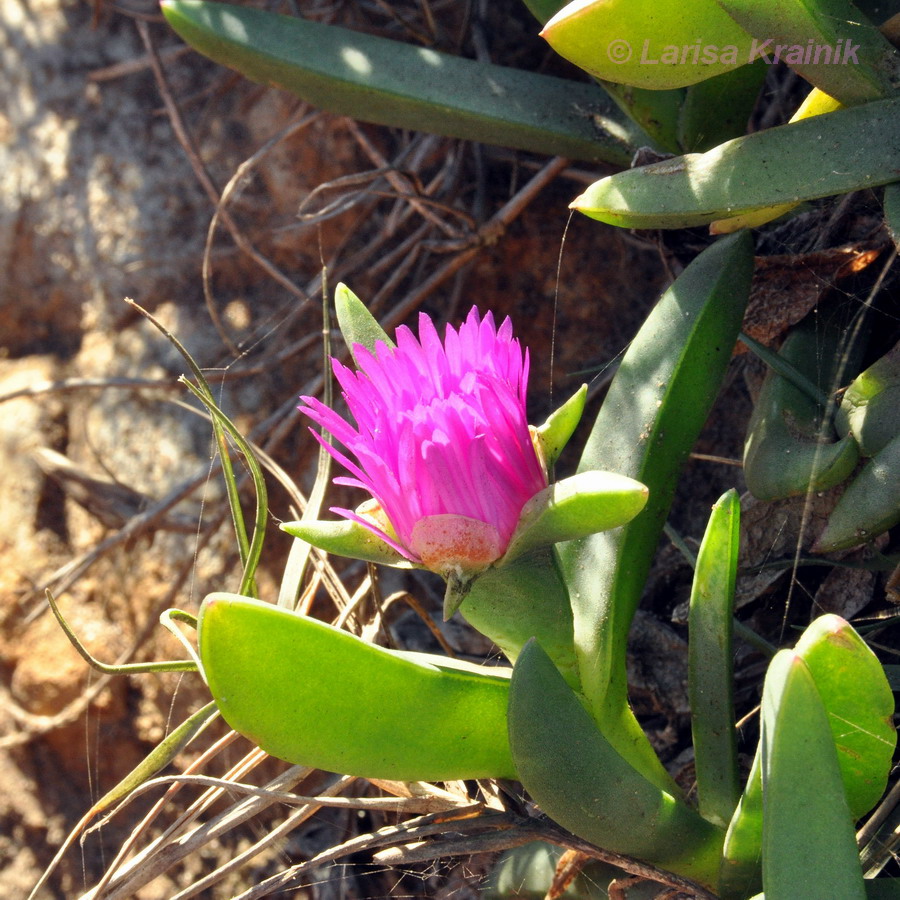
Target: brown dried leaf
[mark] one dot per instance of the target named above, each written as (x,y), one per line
(786,287)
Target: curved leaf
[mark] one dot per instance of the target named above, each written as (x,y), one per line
(318,696)
(391,83)
(782,456)
(626,41)
(809,843)
(860,64)
(836,153)
(870,407)
(711,663)
(655,408)
(869,506)
(582,782)
(860,707)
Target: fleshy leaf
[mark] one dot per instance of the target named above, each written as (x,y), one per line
(345,537)
(718,109)
(584,784)
(853,691)
(647,426)
(843,151)
(314,695)
(576,507)
(859,704)
(357,324)
(869,506)
(782,457)
(870,407)
(741,870)
(817,103)
(625,40)
(865,68)
(813,852)
(711,663)
(389,82)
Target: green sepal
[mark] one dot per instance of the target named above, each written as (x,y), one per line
(812,854)
(869,506)
(344,537)
(314,695)
(357,324)
(574,508)
(579,780)
(860,707)
(554,434)
(847,150)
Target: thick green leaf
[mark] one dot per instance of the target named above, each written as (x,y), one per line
(821,156)
(711,663)
(782,456)
(860,707)
(718,109)
(870,407)
(583,783)
(656,112)
(869,506)
(525,599)
(740,874)
(655,408)
(647,43)
(314,695)
(554,434)
(391,83)
(857,700)
(576,507)
(828,42)
(809,844)
(357,324)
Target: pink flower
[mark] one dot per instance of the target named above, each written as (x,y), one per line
(441,442)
